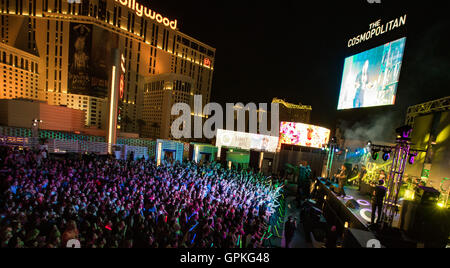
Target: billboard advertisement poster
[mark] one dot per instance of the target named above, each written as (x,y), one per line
(246,141)
(299,134)
(90,60)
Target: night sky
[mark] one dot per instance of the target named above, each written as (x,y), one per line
(295,50)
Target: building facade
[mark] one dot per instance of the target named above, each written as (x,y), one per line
(21,113)
(19,73)
(161,92)
(74,40)
(296,113)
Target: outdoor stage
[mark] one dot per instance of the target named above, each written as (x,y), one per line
(357,216)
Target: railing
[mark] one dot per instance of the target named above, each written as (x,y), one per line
(74,146)
(275,226)
(71,146)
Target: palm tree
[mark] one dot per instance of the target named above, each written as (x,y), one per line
(155,127)
(141,124)
(126,121)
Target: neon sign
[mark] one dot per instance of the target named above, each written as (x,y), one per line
(122,77)
(141,10)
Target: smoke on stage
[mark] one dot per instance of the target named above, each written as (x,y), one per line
(379,128)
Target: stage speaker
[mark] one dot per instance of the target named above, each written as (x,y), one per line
(427,196)
(355,238)
(428,224)
(334,189)
(352,204)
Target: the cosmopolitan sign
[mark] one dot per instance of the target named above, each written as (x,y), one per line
(141,11)
(376,29)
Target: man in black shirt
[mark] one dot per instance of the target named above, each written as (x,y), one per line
(377,201)
(289,230)
(361,176)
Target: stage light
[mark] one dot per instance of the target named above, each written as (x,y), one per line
(325,198)
(366,214)
(404,132)
(369,144)
(346,225)
(387,155)
(409,195)
(412,158)
(375,156)
(363,203)
(441,205)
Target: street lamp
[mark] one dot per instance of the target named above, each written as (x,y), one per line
(35,132)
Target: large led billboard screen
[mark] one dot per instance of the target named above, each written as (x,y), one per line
(371,78)
(304,135)
(246,141)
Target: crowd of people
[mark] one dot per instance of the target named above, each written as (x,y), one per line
(107,203)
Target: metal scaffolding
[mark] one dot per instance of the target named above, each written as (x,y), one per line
(426,108)
(402,152)
(402,155)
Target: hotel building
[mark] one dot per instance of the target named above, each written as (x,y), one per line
(19,73)
(290,112)
(69,45)
(161,92)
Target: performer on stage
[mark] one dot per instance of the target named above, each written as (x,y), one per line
(361,176)
(342,179)
(377,201)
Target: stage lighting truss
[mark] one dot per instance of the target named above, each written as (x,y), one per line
(387,152)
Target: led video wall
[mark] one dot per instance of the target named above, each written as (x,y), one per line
(371,78)
(246,141)
(304,135)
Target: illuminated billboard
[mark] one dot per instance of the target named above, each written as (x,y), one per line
(246,141)
(304,135)
(371,78)
(90,59)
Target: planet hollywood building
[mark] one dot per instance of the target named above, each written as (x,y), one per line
(74,42)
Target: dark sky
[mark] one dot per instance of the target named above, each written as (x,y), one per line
(295,50)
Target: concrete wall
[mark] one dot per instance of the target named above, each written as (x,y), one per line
(61,118)
(15,113)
